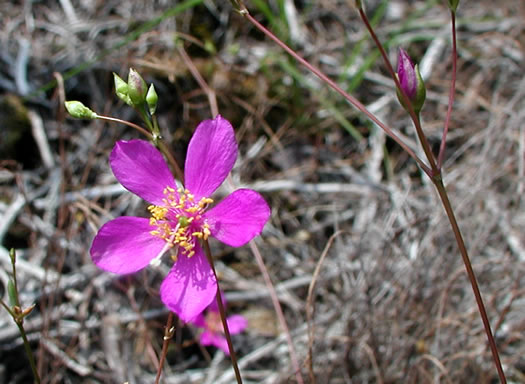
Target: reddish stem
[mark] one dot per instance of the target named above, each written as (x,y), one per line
(356,103)
(413,115)
(471,275)
(168,334)
(451,93)
(233,355)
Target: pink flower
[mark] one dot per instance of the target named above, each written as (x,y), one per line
(179,216)
(213,331)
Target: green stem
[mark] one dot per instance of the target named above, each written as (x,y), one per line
(29,352)
(19,321)
(438,182)
(222,313)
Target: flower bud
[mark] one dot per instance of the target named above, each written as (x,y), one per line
(410,81)
(121,89)
(137,88)
(151,99)
(453,5)
(79,110)
(12,255)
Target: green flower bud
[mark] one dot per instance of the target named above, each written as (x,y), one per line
(12,255)
(79,110)
(151,99)
(137,88)
(453,5)
(121,89)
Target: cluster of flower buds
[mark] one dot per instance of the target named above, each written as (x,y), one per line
(135,92)
(411,82)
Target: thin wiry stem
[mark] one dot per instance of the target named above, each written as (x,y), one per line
(278,310)
(451,93)
(20,324)
(438,182)
(210,93)
(434,172)
(414,116)
(18,317)
(352,100)
(222,313)
(169,330)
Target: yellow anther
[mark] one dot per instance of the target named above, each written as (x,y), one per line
(197,234)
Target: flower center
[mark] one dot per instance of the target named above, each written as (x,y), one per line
(179,219)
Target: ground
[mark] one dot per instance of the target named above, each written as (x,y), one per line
(358,247)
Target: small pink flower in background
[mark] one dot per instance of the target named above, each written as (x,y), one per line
(213,331)
(179,216)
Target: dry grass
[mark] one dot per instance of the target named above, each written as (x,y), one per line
(391,302)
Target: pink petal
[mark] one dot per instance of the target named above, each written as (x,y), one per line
(190,286)
(211,154)
(217,340)
(141,169)
(125,245)
(199,321)
(236,324)
(238,218)
(206,338)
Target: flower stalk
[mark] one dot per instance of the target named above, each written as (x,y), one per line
(352,100)
(438,182)
(169,330)
(222,313)
(405,100)
(451,93)
(433,172)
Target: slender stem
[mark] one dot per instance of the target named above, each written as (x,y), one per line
(6,307)
(19,321)
(278,310)
(210,93)
(414,116)
(352,100)
(15,282)
(161,144)
(168,334)
(451,93)
(233,356)
(129,124)
(438,182)
(29,352)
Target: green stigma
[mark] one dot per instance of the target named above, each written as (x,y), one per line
(183,221)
